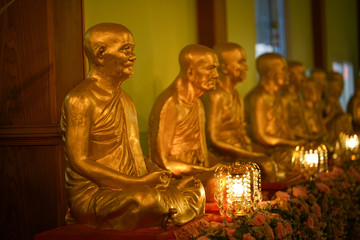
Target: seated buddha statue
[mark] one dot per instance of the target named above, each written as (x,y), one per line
(224,108)
(109,183)
(293,103)
(335,119)
(177,138)
(313,109)
(266,118)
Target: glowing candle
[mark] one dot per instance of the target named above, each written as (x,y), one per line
(311,158)
(351,142)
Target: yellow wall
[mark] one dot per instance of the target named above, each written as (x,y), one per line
(341,32)
(161,28)
(241,29)
(298,25)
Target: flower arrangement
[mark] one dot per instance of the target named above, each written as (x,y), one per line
(326,207)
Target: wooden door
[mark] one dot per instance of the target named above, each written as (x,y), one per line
(41,59)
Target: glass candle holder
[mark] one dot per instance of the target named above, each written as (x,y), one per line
(349,146)
(238,188)
(312,159)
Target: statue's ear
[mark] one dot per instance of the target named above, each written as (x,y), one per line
(190,73)
(99,55)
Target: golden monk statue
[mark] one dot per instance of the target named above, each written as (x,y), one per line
(311,93)
(225,123)
(177,138)
(264,113)
(335,119)
(353,107)
(319,76)
(108,182)
(293,103)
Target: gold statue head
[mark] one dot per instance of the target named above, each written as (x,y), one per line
(109,47)
(272,67)
(320,77)
(232,60)
(336,84)
(297,74)
(311,91)
(198,65)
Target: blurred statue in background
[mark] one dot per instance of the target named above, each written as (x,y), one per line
(225,123)
(335,119)
(109,183)
(265,114)
(353,107)
(293,103)
(319,76)
(313,108)
(177,138)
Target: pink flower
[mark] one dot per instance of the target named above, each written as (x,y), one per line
(345,184)
(300,191)
(282,195)
(230,231)
(316,209)
(323,177)
(269,233)
(280,230)
(203,238)
(260,219)
(288,228)
(337,172)
(310,223)
(323,187)
(266,204)
(247,236)
(275,215)
(216,225)
(352,172)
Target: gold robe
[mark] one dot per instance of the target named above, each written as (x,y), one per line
(114,143)
(176,130)
(230,122)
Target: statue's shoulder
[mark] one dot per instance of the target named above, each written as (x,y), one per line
(168,99)
(81,96)
(218,93)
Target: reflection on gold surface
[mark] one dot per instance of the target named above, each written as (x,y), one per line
(109,183)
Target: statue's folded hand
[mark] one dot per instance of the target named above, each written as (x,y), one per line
(159,179)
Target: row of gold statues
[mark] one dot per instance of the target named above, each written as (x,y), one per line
(196,123)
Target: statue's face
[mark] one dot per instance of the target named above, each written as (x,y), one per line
(336,88)
(320,77)
(119,57)
(280,71)
(236,65)
(311,92)
(205,72)
(297,76)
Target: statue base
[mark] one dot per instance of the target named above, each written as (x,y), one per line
(81,232)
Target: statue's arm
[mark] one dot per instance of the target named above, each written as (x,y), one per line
(79,120)
(260,120)
(164,132)
(214,112)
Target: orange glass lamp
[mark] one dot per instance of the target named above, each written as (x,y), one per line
(349,146)
(312,159)
(238,188)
